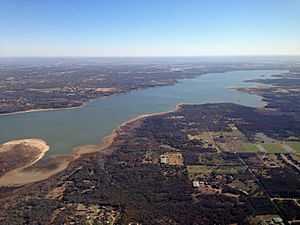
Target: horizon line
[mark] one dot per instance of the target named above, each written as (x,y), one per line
(156,56)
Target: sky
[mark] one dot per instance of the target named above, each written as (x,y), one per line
(149,27)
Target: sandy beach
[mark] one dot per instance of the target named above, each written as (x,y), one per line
(25,175)
(15,175)
(39,144)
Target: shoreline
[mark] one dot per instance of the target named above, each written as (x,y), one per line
(25,175)
(75,107)
(57,109)
(33,141)
(103,97)
(42,110)
(90,100)
(63,161)
(41,146)
(245,90)
(20,177)
(144,116)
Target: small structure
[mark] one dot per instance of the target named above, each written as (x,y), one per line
(196,184)
(277,220)
(163,159)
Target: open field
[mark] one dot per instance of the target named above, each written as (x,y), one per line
(250,147)
(195,169)
(295,146)
(273,148)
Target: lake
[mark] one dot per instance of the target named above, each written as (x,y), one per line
(65,129)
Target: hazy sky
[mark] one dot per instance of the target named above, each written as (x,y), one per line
(149,27)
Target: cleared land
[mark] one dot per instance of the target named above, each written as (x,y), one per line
(273,148)
(295,146)
(250,147)
(197,169)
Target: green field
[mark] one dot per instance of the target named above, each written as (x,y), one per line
(295,146)
(249,147)
(273,148)
(195,169)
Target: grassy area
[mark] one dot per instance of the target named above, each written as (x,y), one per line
(195,169)
(273,148)
(249,147)
(230,170)
(247,185)
(295,146)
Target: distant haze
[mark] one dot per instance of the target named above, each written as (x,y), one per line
(32,61)
(149,28)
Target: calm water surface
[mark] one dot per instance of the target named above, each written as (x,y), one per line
(65,129)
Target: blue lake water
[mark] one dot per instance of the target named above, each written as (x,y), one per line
(65,129)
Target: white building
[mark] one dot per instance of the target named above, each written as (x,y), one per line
(163,159)
(196,184)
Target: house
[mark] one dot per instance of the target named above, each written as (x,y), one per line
(163,159)
(196,184)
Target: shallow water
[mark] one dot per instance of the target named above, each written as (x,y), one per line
(65,129)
